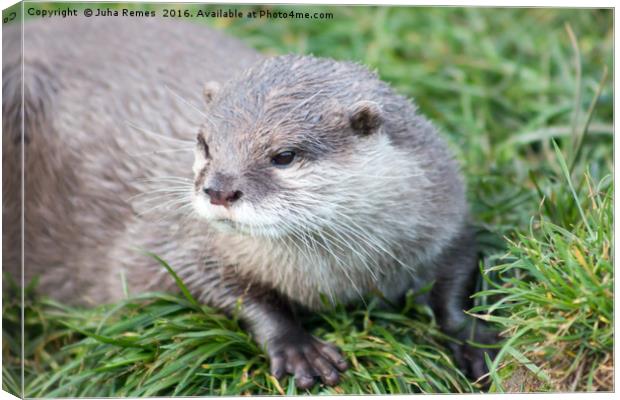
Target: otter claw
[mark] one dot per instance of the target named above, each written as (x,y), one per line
(306,358)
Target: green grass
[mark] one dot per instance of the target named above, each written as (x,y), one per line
(504,86)
(554,291)
(160,344)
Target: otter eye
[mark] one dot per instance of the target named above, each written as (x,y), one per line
(283,159)
(202,144)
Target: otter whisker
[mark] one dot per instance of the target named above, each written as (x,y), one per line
(170,189)
(160,204)
(159,177)
(165,189)
(182,214)
(155,152)
(348,244)
(157,135)
(151,201)
(369,240)
(191,105)
(295,236)
(164,205)
(166,182)
(146,198)
(344,270)
(297,241)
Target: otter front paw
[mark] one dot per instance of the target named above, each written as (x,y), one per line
(469,357)
(306,358)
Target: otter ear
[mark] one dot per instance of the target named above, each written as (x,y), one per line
(210,90)
(365,117)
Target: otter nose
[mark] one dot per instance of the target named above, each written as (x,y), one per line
(223,197)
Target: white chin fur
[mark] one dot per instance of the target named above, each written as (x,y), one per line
(240,218)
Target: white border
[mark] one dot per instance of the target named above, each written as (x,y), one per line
(483,3)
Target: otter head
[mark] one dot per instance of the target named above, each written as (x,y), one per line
(289,146)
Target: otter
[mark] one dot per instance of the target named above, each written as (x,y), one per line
(300,182)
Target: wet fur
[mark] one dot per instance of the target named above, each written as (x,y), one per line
(376,201)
